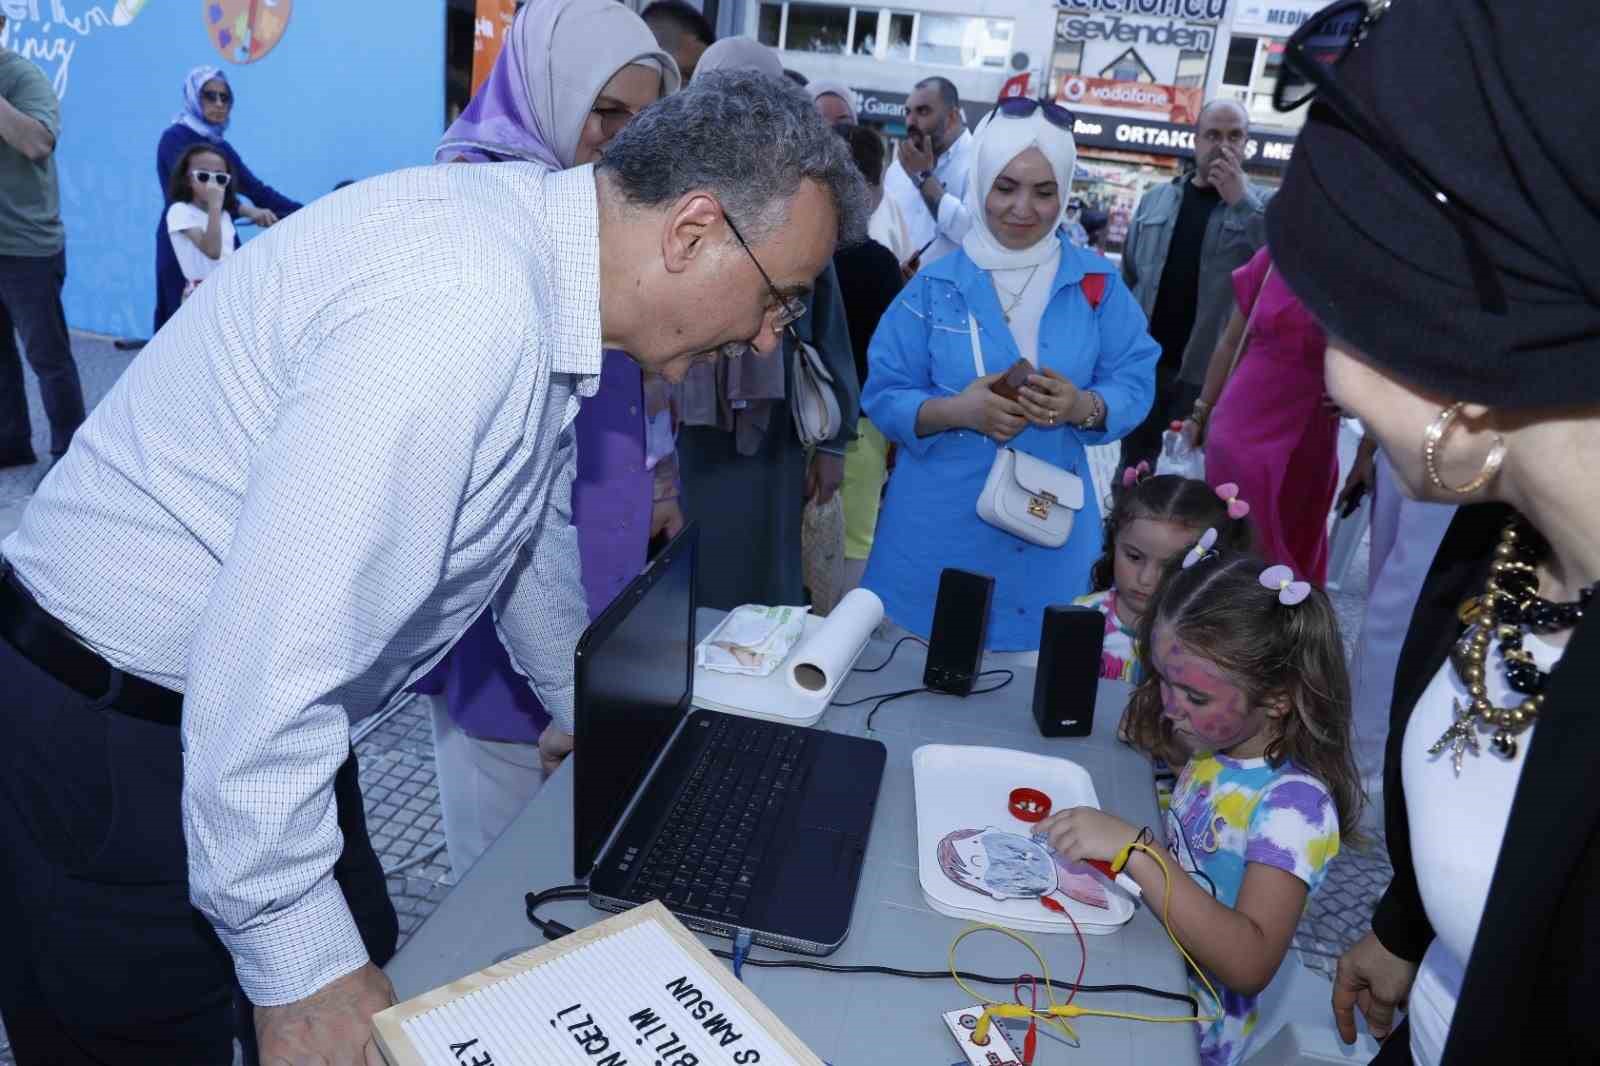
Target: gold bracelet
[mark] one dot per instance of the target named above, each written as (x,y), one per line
(1097,412)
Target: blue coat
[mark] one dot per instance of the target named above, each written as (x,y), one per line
(174,142)
(923,350)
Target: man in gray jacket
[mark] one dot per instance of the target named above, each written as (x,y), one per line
(1183,245)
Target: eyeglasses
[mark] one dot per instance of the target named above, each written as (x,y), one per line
(1022,107)
(205,177)
(213,96)
(789,308)
(1309,59)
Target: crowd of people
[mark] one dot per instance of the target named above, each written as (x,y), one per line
(345,467)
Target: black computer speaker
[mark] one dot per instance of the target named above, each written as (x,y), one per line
(960,630)
(1068,674)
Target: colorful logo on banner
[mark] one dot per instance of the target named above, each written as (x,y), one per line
(1172,103)
(489,29)
(243,31)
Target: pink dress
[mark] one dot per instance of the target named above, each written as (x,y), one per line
(1270,433)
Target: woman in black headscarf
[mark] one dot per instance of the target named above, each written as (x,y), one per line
(1442,220)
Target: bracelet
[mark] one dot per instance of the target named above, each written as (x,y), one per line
(1201,412)
(1097,412)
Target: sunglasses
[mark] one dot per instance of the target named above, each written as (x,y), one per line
(212,96)
(1022,107)
(1309,60)
(790,308)
(205,177)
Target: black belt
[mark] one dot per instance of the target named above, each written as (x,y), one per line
(50,646)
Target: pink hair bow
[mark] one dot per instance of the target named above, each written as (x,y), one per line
(1229,494)
(1281,579)
(1202,549)
(1135,474)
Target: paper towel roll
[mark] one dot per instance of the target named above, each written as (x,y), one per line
(824,657)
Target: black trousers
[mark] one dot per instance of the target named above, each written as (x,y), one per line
(102,958)
(1174,400)
(30,304)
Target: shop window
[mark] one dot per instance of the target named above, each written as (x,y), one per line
(769,23)
(817,28)
(1191,69)
(901,27)
(963,41)
(1128,67)
(864,36)
(1067,62)
(1241,61)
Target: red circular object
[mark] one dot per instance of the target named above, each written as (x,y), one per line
(1029,805)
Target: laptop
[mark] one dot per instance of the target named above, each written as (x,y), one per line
(733,823)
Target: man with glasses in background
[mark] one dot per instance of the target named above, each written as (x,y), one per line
(1186,239)
(33,265)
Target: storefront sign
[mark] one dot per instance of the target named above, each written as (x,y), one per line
(890,108)
(1273,18)
(1188,10)
(1173,104)
(1114,29)
(1170,139)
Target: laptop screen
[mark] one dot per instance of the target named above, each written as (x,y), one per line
(635,666)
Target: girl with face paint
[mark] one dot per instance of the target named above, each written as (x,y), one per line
(1243,666)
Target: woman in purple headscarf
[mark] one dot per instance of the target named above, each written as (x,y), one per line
(572,75)
(207,109)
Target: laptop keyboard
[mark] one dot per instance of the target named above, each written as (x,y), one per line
(708,854)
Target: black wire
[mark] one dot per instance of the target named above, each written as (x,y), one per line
(890,697)
(554,930)
(890,659)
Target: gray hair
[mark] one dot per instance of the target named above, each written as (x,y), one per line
(747,139)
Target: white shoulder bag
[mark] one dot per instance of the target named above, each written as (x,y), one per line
(1026,496)
(811,400)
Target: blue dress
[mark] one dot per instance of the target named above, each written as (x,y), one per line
(923,350)
(174,142)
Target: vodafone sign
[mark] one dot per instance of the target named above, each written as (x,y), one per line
(1173,104)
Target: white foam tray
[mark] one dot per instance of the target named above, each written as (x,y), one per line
(959,787)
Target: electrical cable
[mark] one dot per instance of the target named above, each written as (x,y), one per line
(883,698)
(883,665)
(554,930)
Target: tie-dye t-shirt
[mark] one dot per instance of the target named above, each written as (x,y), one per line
(1119,655)
(1227,813)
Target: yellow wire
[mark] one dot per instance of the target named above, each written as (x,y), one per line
(1057,1013)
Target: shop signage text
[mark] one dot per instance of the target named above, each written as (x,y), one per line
(1123,31)
(1181,105)
(1165,138)
(1187,10)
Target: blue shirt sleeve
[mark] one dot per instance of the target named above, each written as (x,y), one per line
(899,378)
(259,192)
(1125,373)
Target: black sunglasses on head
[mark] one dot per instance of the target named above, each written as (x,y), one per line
(1022,107)
(1307,72)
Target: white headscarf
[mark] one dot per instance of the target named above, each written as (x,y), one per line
(819,89)
(740,53)
(999,139)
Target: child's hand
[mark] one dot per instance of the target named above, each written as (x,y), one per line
(1087,833)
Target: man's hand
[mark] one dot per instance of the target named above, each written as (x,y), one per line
(1226,175)
(916,155)
(330,1027)
(555,744)
(824,476)
(666,517)
(989,413)
(1374,979)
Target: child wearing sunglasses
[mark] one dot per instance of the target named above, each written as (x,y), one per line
(200,218)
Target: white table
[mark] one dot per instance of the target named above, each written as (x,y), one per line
(862,1020)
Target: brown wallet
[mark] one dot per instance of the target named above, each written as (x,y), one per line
(1013,380)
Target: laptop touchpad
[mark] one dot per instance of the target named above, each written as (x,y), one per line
(834,803)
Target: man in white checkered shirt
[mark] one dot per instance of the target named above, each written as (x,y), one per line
(353,439)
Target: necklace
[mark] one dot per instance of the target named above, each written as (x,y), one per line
(1016,297)
(1509,605)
